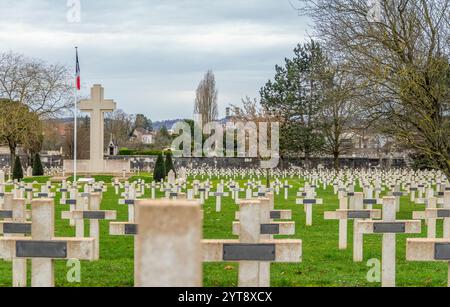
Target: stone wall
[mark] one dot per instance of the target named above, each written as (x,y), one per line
(147,163)
(47,161)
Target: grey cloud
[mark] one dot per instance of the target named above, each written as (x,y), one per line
(151,54)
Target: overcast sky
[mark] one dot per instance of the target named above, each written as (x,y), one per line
(151,54)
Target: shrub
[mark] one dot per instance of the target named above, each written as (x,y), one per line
(38,170)
(17,169)
(169,163)
(133,152)
(160,170)
(126,152)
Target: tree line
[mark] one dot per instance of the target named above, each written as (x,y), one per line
(390,73)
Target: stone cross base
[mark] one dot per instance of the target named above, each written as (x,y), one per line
(105,167)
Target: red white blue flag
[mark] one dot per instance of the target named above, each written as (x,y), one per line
(78,75)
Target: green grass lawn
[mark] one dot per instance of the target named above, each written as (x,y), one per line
(323,264)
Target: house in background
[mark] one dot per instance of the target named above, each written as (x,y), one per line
(112,149)
(140,135)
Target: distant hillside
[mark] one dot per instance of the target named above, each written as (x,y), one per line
(170,122)
(156,125)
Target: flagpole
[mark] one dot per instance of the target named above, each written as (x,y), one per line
(75,132)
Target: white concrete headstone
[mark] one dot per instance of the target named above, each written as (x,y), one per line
(182,174)
(171,177)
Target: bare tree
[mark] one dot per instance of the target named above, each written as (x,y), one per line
(403,57)
(45,88)
(120,125)
(83,139)
(206,98)
(250,111)
(340,110)
(53,138)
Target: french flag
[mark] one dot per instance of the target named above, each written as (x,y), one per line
(78,75)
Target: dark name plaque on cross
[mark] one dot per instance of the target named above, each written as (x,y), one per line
(389,227)
(270,229)
(249,252)
(358,215)
(94,215)
(41,249)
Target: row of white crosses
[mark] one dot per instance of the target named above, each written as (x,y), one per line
(86,206)
(389,227)
(417,249)
(344,213)
(128,228)
(14,216)
(42,247)
(268,228)
(432,213)
(89,210)
(170,249)
(432,248)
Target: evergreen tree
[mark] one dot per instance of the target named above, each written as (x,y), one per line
(296,95)
(17,169)
(160,170)
(169,163)
(38,170)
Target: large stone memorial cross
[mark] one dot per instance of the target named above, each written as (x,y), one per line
(97,106)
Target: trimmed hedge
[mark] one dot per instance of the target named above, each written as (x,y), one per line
(169,163)
(38,170)
(160,170)
(17,169)
(134,152)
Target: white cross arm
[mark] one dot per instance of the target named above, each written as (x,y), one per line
(106,105)
(284,251)
(67,201)
(381,227)
(44,195)
(275,214)
(428,250)
(89,215)
(126,201)
(274,228)
(432,213)
(343,214)
(217,194)
(57,248)
(419,215)
(122,229)
(8,214)
(305,201)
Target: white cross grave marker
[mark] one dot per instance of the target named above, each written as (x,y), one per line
(42,248)
(389,227)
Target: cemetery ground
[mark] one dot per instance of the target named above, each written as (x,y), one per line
(323,264)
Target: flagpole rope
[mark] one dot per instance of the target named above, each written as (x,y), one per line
(75,126)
